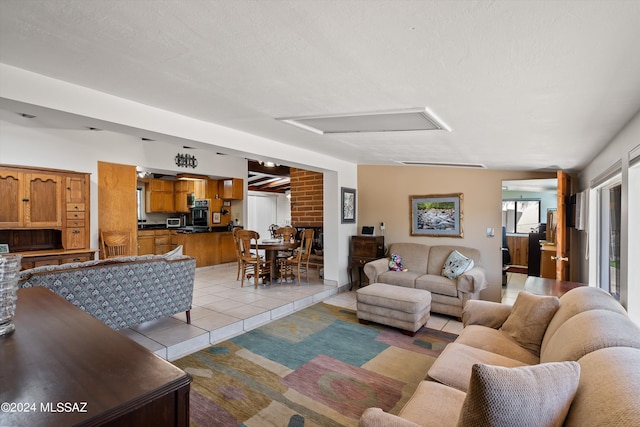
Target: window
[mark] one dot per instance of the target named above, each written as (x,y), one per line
(521,215)
(609,239)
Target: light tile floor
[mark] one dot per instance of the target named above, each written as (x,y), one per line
(223,310)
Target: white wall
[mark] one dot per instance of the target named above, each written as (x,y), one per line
(65,148)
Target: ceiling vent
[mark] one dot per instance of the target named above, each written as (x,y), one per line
(416,119)
(442,164)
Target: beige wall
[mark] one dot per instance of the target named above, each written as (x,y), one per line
(383,196)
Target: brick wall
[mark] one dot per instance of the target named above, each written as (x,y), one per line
(306,198)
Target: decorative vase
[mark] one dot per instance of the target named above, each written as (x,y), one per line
(9,269)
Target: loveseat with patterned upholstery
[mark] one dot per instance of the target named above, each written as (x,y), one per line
(122,292)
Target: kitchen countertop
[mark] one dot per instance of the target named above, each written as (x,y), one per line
(182,230)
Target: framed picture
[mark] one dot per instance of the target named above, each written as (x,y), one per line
(216,217)
(4,248)
(348,205)
(437,215)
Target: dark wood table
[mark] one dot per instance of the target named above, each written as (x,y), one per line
(271,253)
(63,367)
(543,286)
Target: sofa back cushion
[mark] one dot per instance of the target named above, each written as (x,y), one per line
(577,301)
(414,256)
(439,254)
(590,331)
(608,389)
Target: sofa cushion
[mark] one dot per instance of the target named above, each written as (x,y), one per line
(529,319)
(590,331)
(453,366)
(437,284)
(455,265)
(496,341)
(414,255)
(525,396)
(399,278)
(577,301)
(608,390)
(439,254)
(437,403)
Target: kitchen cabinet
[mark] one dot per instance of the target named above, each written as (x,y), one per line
(232,189)
(184,187)
(209,248)
(33,259)
(30,198)
(156,242)
(160,196)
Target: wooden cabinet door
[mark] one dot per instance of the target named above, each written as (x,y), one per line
(146,242)
(227,248)
(76,187)
(44,200)
(11,195)
(160,196)
(75,238)
(232,189)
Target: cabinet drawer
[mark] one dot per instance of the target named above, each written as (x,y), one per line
(359,261)
(75,223)
(75,215)
(77,258)
(76,207)
(163,240)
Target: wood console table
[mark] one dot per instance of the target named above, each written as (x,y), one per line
(363,249)
(61,366)
(543,286)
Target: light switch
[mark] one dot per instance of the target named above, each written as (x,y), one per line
(490,232)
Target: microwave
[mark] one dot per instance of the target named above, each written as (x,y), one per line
(174,223)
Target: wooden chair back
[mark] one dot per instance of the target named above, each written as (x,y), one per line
(304,250)
(286,233)
(115,243)
(248,240)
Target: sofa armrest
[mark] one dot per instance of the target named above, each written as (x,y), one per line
(472,281)
(485,313)
(376,417)
(373,268)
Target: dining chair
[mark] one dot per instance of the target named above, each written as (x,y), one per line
(252,265)
(115,243)
(300,259)
(238,248)
(286,234)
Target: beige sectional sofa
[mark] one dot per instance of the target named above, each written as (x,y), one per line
(585,371)
(424,267)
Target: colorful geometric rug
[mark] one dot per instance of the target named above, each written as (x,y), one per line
(316,367)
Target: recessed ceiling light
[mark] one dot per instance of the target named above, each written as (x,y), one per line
(441,164)
(27,116)
(416,119)
(94,129)
(147,139)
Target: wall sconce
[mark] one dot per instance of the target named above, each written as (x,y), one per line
(186,161)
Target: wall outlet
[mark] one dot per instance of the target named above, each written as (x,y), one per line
(382,226)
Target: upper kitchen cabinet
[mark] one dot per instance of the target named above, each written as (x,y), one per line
(30,199)
(160,196)
(232,189)
(183,188)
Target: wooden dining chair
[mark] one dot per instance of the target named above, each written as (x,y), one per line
(300,259)
(252,265)
(238,247)
(115,243)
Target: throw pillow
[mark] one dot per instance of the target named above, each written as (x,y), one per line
(174,253)
(395,263)
(455,265)
(536,395)
(529,318)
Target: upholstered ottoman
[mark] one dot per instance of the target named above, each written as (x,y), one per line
(397,306)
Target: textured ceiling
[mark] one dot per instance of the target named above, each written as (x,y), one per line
(528,85)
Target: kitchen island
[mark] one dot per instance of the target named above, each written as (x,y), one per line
(208,248)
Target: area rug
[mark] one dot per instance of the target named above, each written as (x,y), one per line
(316,367)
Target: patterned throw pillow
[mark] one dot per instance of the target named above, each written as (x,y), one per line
(455,265)
(395,263)
(174,253)
(537,395)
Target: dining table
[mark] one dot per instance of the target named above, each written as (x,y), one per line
(271,247)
